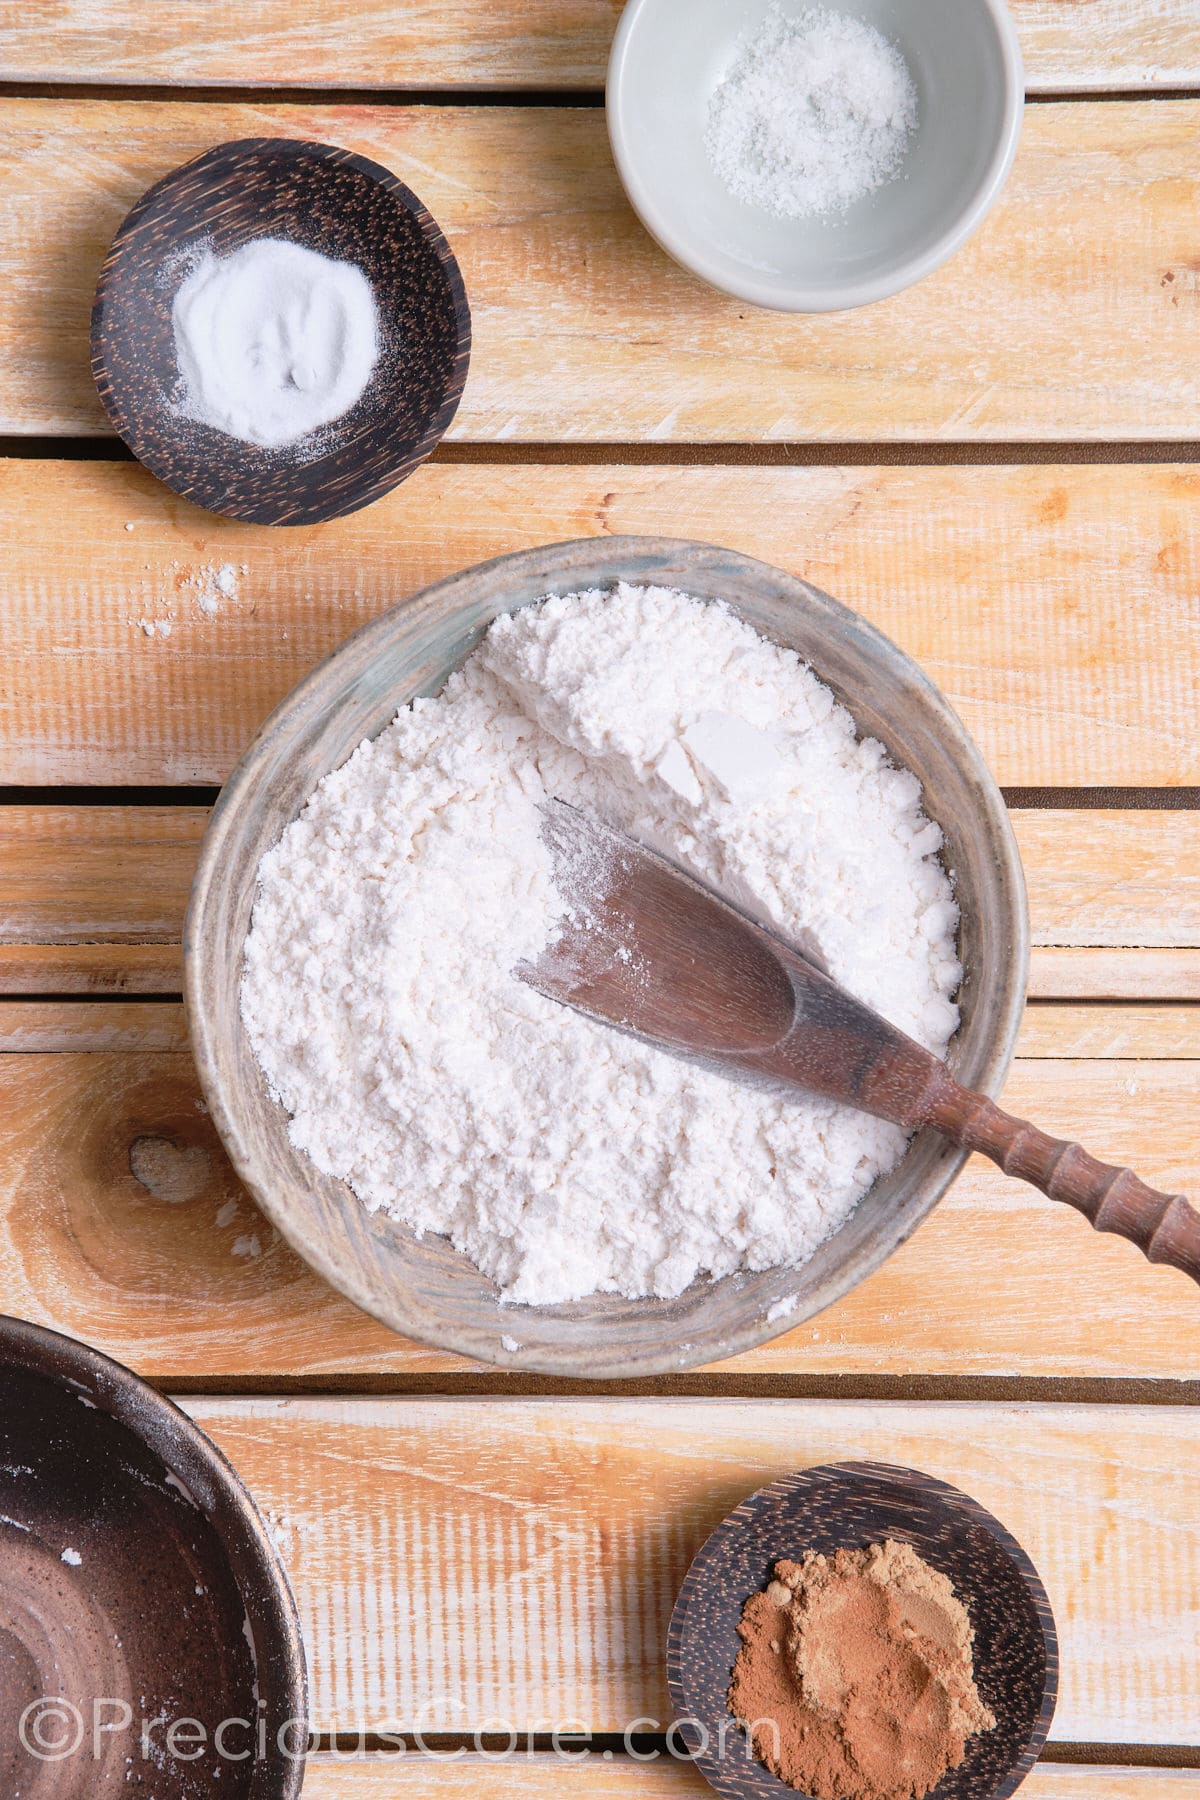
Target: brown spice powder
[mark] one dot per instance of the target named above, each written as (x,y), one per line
(855,1677)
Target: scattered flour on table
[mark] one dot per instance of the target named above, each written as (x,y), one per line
(213,583)
(561,1156)
(815,113)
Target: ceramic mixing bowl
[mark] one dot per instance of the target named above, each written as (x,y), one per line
(424,1288)
(669,56)
(149,1643)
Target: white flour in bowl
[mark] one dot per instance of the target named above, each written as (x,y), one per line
(561,1156)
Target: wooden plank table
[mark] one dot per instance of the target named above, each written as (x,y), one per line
(999,468)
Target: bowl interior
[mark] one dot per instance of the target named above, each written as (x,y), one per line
(674,53)
(847,1506)
(134,1573)
(327,200)
(423,1287)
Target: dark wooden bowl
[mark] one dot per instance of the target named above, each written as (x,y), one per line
(171,1599)
(847,1506)
(328,200)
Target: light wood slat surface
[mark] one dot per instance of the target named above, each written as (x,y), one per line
(1104,1032)
(111,883)
(31,1027)
(86,969)
(487,1778)
(1130,974)
(1141,43)
(1054,605)
(1127,44)
(1071,313)
(526,1777)
(103,874)
(455,1561)
(419,44)
(1110,877)
(121,1222)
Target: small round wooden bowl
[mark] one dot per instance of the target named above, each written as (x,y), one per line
(845,1506)
(423,1287)
(135,1573)
(325,199)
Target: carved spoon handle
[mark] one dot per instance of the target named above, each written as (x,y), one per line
(1165,1226)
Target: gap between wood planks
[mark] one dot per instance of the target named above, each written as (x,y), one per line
(1019,799)
(947,453)
(494,1384)
(323,94)
(613,1747)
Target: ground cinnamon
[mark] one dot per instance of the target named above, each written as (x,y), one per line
(855,1678)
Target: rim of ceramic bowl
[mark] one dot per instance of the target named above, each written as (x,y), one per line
(904,274)
(589,562)
(226,1502)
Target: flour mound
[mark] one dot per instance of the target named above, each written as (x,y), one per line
(562,1157)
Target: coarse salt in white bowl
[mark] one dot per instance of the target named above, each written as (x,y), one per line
(670,57)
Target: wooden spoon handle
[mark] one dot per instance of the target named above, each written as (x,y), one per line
(1165,1226)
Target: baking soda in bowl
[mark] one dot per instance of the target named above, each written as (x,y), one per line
(561,1156)
(273,341)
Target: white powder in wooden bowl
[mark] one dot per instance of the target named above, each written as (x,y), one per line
(815,113)
(273,341)
(561,1156)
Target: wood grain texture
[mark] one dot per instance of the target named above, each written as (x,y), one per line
(1112,878)
(1131,975)
(99,875)
(92,900)
(1101,1031)
(29,1027)
(1070,314)
(122,1222)
(530,1776)
(1166,1033)
(1141,43)
(1104,1031)
(85,969)
(1126,44)
(1053,605)
(461,1561)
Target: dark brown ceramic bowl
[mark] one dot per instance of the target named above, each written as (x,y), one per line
(422,1286)
(328,200)
(847,1506)
(135,1577)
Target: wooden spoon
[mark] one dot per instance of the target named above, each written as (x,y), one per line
(654,952)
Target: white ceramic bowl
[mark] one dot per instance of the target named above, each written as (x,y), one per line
(670,55)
